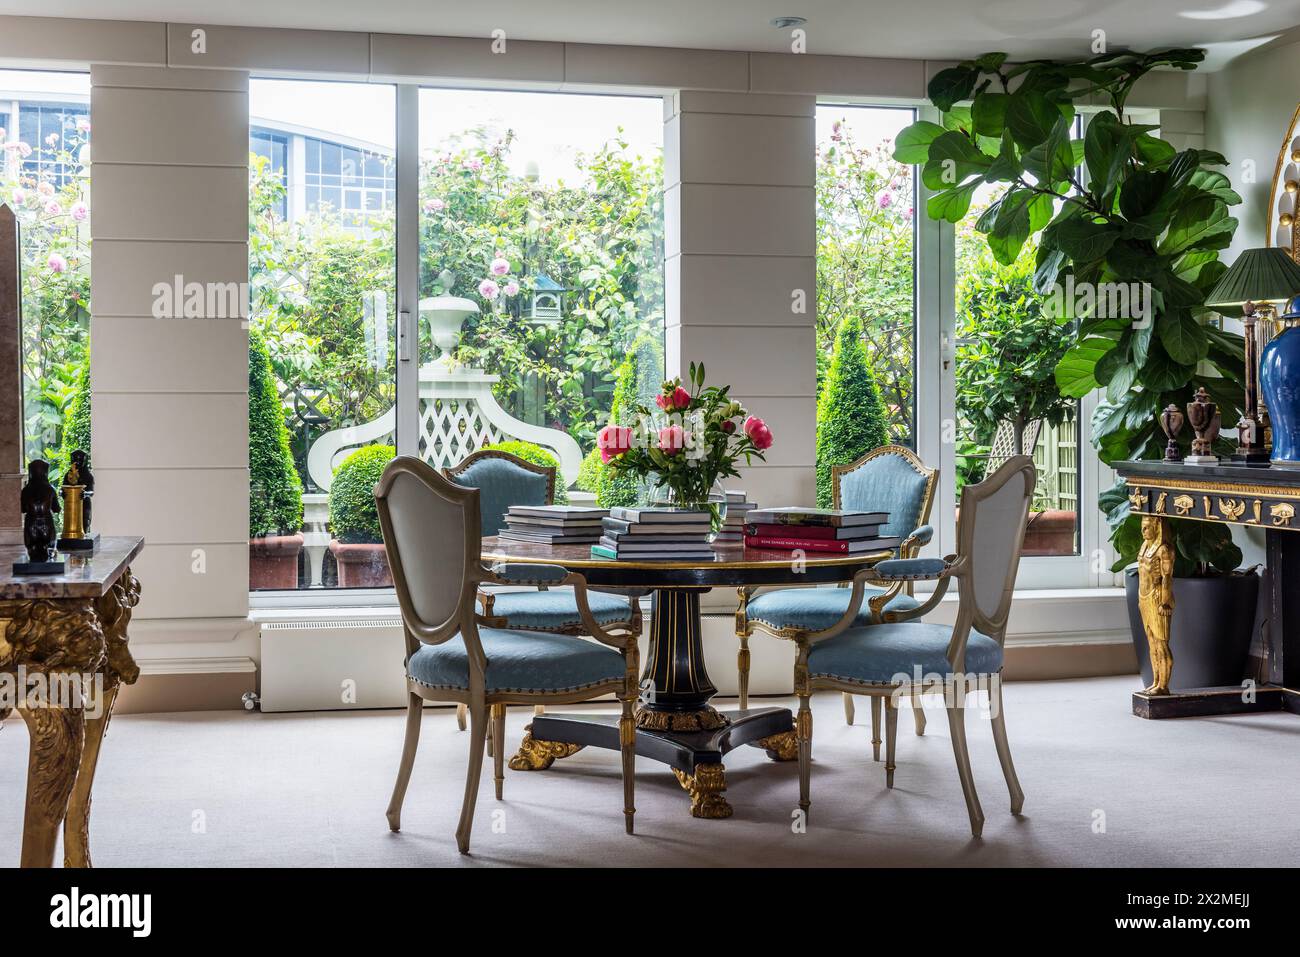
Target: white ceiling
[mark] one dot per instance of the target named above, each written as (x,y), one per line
(931,29)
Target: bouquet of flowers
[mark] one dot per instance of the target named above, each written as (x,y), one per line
(695,437)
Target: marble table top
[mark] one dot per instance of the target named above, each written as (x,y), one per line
(87,575)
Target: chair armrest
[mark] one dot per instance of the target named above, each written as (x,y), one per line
(851,613)
(911,569)
(952,566)
(916,541)
(616,635)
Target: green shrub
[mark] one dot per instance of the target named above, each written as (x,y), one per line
(619,489)
(531,452)
(275,505)
(851,417)
(354,516)
(76,420)
(590,474)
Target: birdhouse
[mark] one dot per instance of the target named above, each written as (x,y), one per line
(548,301)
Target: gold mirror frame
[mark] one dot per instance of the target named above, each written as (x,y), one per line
(1283,229)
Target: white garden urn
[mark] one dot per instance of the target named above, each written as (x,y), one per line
(445,315)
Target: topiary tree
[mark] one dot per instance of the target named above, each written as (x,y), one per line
(851,416)
(621,489)
(531,452)
(354,516)
(275,505)
(590,473)
(76,420)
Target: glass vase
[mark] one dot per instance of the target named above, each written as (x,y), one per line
(715,504)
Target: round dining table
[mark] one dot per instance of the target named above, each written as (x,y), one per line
(676,724)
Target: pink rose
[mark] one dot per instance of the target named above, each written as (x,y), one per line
(20,197)
(499,267)
(53,208)
(80,211)
(728,426)
(473,164)
(762,438)
(488,289)
(681,398)
(56,263)
(613,441)
(661,400)
(45,189)
(672,439)
(434,205)
(511,288)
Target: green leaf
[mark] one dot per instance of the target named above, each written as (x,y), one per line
(953,158)
(1217,185)
(949,87)
(1030,117)
(1074,373)
(990,62)
(952,204)
(1203,223)
(912,145)
(1183,337)
(989,114)
(1084,240)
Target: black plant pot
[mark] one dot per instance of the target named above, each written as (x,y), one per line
(1214,618)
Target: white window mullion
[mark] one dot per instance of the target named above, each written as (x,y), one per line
(408,269)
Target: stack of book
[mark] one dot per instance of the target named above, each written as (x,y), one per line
(817,530)
(553,524)
(733,529)
(654,534)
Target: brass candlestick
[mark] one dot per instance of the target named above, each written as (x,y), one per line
(73,515)
(1252,428)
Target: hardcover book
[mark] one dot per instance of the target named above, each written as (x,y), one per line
(786,544)
(795,515)
(828,532)
(659,515)
(569,512)
(619,527)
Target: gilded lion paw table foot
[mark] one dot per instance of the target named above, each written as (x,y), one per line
(705,787)
(535,755)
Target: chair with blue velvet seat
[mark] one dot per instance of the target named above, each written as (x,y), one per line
(432,537)
(895,658)
(887,479)
(504,480)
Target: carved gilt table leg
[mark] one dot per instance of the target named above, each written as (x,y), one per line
(705,787)
(535,755)
(56,740)
(114,612)
(1156,598)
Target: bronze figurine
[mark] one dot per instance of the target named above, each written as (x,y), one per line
(79,471)
(39,503)
(1203,414)
(1171,421)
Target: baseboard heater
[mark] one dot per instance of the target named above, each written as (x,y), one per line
(332,664)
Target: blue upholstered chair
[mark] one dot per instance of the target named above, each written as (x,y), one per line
(895,658)
(887,479)
(504,480)
(432,537)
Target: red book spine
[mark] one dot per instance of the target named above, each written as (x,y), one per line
(786,543)
(786,531)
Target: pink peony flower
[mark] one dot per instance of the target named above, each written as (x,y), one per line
(681,398)
(728,426)
(511,288)
(499,267)
(488,289)
(613,441)
(672,439)
(751,423)
(56,263)
(661,400)
(762,438)
(80,211)
(53,208)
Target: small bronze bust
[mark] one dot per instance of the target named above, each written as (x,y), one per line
(78,473)
(1171,421)
(39,503)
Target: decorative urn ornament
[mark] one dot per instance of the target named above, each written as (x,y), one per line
(1171,422)
(1279,377)
(445,315)
(1203,414)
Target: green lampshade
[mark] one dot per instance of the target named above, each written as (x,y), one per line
(1259,275)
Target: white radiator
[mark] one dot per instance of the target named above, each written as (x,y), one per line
(332,664)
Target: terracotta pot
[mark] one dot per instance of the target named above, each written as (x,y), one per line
(273,562)
(1050,532)
(361,564)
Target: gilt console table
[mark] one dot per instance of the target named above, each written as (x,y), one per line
(1260,496)
(55,630)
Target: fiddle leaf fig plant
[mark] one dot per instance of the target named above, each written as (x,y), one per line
(1128,233)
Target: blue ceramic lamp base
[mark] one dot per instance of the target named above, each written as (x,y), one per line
(1279,380)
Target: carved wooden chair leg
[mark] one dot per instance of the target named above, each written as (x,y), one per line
(918,712)
(461,712)
(803,731)
(848,708)
(891,735)
(1004,749)
(499,747)
(627,750)
(478,722)
(875,727)
(742,670)
(957,727)
(414,710)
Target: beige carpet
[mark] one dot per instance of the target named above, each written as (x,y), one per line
(1102,788)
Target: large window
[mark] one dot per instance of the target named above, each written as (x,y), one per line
(45,179)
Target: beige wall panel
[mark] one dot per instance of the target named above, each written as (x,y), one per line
(466,58)
(162,78)
(271,51)
(835,75)
(170,588)
(1182,121)
(170,203)
(744,220)
(742,290)
(765,360)
(793,421)
(139,126)
(655,67)
(160,431)
(176,506)
(78,42)
(126,271)
(140,355)
(743,104)
(746,150)
(771,485)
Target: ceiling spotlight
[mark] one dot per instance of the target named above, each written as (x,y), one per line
(784,23)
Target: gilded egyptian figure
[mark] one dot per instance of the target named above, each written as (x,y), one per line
(1156,598)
